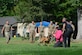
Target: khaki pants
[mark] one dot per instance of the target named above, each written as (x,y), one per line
(32,36)
(7,35)
(41,35)
(50,34)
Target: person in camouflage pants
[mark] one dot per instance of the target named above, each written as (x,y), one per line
(32,32)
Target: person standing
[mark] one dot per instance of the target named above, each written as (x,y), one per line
(51,30)
(67,31)
(73,27)
(7,28)
(51,27)
(32,32)
(41,31)
(55,26)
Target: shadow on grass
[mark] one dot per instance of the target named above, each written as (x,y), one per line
(74,46)
(47,52)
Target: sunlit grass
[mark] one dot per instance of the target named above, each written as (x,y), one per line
(19,47)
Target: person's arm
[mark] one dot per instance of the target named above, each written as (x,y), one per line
(2,30)
(54,33)
(73,27)
(48,28)
(39,29)
(12,28)
(63,29)
(35,29)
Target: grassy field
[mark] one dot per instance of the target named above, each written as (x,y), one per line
(19,47)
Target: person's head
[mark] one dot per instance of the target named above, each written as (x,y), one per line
(40,23)
(32,22)
(7,22)
(59,27)
(56,23)
(68,22)
(64,19)
(51,22)
(71,22)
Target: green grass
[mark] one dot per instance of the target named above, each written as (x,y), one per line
(19,47)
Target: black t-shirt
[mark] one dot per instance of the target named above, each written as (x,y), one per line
(68,27)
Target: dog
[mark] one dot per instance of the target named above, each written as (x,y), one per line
(45,40)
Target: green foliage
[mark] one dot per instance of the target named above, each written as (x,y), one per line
(6,7)
(39,10)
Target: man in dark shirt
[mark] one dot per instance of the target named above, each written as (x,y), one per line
(67,31)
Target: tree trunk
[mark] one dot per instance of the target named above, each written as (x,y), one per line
(79,35)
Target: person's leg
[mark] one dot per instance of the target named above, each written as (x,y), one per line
(57,44)
(68,41)
(65,40)
(50,35)
(25,35)
(7,35)
(40,36)
(33,36)
(69,38)
(52,39)
(30,35)
(61,44)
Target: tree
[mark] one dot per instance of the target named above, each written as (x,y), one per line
(7,7)
(39,10)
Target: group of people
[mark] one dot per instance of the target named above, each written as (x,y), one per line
(61,33)
(64,33)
